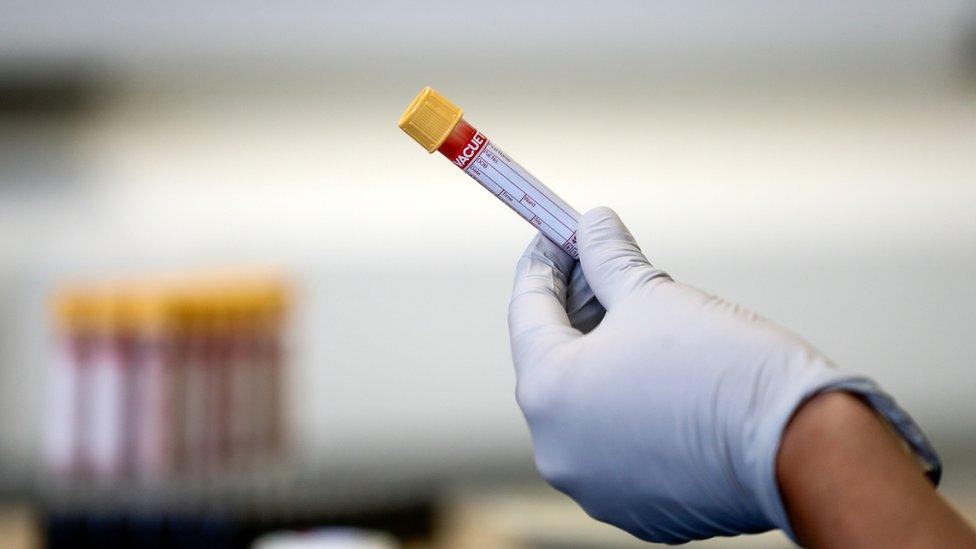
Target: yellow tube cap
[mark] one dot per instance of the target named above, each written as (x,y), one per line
(430,118)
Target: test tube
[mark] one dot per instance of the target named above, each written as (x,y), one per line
(438,125)
(106,394)
(73,310)
(152,386)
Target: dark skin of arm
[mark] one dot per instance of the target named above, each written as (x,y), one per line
(847,482)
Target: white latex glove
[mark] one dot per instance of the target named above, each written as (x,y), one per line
(664,416)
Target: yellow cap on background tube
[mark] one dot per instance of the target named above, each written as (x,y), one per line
(74,308)
(430,118)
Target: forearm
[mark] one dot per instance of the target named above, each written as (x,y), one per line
(846,482)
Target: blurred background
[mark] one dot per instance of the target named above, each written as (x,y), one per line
(813,161)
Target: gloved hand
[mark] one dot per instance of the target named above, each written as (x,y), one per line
(664,416)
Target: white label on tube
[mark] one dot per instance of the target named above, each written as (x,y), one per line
(526,195)
(62,432)
(106,397)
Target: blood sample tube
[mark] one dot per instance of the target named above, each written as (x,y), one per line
(152,386)
(108,384)
(66,384)
(438,125)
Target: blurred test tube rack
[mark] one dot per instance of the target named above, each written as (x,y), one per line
(165,381)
